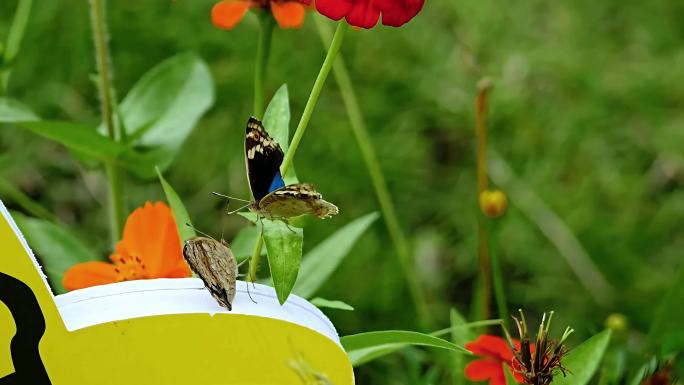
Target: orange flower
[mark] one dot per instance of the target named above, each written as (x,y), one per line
(288,13)
(150,248)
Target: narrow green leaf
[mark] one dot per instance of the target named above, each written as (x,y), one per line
(510,380)
(667,333)
(15,36)
(284,250)
(323,259)
(57,247)
(180,214)
(12,111)
(460,335)
(360,341)
(9,191)
(359,357)
(243,243)
(583,360)
(161,110)
(321,302)
(76,137)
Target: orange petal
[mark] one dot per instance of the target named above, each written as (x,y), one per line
(151,234)
(89,274)
(227,13)
(288,14)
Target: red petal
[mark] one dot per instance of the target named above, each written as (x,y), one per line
(288,14)
(396,13)
(363,14)
(491,346)
(334,9)
(481,370)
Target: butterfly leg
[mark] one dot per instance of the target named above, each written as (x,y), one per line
(286,224)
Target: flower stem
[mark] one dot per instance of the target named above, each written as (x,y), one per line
(363,140)
(303,123)
(266,24)
(114,176)
(482,184)
(334,49)
(497,277)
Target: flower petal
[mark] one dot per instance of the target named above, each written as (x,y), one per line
(481,370)
(151,234)
(491,346)
(227,13)
(288,14)
(89,274)
(334,9)
(363,14)
(396,13)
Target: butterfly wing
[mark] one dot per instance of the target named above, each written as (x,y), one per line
(263,157)
(215,264)
(295,200)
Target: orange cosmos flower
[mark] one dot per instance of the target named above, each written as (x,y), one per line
(150,248)
(288,13)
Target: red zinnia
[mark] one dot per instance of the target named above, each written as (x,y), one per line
(494,352)
(366,13)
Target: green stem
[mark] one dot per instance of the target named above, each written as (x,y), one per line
(363,140)
(334,49)
(304,122)
(482,185)
(116,200)
(266,24)
(254,262)
(497,276)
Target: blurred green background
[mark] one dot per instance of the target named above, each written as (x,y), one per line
(586,111)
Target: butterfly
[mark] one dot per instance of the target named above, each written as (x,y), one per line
(215,264)
(272,198)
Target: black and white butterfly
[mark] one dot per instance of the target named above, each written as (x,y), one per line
(272,198)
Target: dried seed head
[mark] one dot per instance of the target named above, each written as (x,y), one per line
(539,361)
(215,264)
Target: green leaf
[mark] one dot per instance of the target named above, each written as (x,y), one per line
(510,379)
(15,36)
(277,117)
(12,111)
(321,302)
(75,137)
(390,340)
(460,334)
(583,360)
(277,123)
(666,331)
(243,243)
(323,259)
(180,214)
(161,110)
(57,247)
(284,250)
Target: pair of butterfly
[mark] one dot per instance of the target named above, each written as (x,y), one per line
(213,261)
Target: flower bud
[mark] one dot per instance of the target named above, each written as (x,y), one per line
(493,203)
(617,322)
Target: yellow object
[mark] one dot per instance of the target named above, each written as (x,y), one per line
(224,348)
(493,203)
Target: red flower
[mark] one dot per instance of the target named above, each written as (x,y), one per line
(366,13)
(288,13)
(494,352)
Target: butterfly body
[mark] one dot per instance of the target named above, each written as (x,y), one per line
(272,198)
(215,264)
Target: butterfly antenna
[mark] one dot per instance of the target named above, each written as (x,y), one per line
(199,231)
(230,197)
(238,209)
(223,218)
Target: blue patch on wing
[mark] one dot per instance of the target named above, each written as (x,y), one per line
(277,182)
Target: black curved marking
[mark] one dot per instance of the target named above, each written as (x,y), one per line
(30,323)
